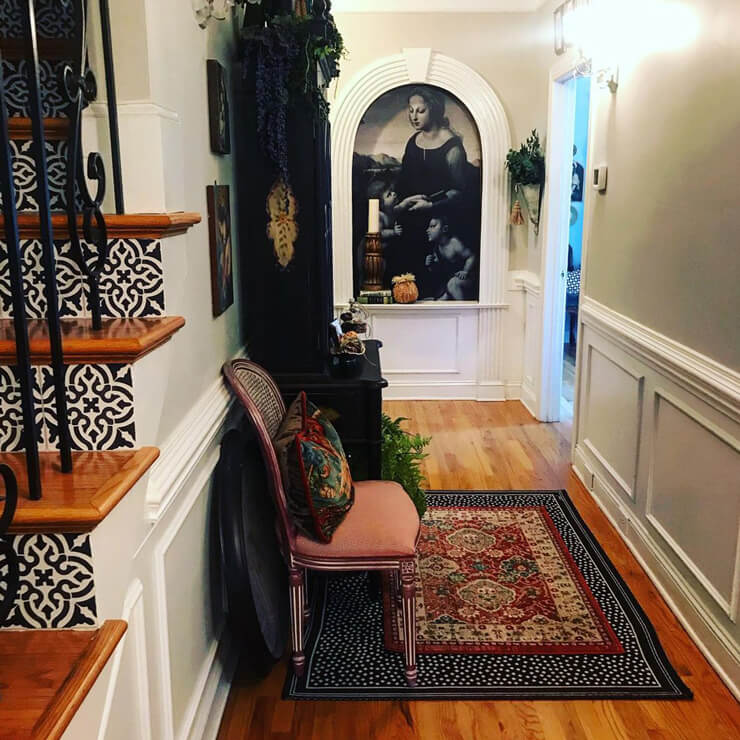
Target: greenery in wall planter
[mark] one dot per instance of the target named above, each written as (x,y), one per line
(283,51)
(527,168)
(401,457)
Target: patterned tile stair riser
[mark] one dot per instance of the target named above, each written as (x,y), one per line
(24,171)
(53,98)
(131,285)
(100,397)
(57,589)
(347,659)
(100,405)
(54,20)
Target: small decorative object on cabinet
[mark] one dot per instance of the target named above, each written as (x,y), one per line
(404,288)
(527,168)
(373,263)
(218,108)
(219,232)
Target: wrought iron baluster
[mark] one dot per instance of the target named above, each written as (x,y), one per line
(12,575)
(46,233)
(15,269)
(110,87)
(81,89)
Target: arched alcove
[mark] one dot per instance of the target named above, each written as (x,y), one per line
(425,66)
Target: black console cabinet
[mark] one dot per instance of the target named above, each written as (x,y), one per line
(353,404)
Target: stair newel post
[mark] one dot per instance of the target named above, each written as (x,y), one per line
(81,88)
(15,261)
(46,233)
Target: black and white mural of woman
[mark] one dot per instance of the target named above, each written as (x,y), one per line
(428,183)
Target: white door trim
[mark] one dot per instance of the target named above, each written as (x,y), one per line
(556,197)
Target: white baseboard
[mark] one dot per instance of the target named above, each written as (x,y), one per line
(529,400)
(717,646)
(445,391)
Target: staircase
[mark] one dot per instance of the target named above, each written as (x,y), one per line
(110,312)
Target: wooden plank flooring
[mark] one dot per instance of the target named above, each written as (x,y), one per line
(500,446)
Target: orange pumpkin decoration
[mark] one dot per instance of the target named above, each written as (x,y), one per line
(404,288)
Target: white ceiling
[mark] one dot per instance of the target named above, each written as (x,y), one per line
(436,6)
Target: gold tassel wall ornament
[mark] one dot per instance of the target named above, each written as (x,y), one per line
(517,219)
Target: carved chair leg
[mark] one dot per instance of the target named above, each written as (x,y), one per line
(296,618)
(408,590)
(396,586)
(306,605)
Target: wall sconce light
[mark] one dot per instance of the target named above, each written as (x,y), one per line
(208,10)
(575,24)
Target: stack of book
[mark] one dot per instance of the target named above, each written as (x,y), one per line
(375,296)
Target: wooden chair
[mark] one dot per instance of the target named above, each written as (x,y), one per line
(380,531)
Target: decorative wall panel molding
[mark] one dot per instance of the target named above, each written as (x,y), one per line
(612,414)
(57,589)
(183,451)
(681,458)
(717,384)
(689,452)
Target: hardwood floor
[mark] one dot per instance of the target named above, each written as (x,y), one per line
(500,446)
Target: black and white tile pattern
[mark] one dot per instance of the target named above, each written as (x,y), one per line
(70,285)
(54,19)
(100,407)
(24,171)
(53,98)
(11,413)
(346,657)
(131,284)
(57,589)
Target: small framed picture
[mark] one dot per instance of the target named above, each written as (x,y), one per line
(218,108)
(219,232)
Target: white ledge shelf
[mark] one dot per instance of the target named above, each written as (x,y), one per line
(426,306)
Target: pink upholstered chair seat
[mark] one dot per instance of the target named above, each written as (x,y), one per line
(382,522)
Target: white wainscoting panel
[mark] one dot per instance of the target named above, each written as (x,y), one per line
(422,344)
(694,495)
(434,351)
(126,713)
(612,414)
(658,445)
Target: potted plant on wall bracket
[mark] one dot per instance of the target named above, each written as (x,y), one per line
(527,169)
(293,56)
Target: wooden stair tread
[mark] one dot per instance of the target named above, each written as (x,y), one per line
(48,48)
(76,501)
(119,340)
(119,226)
(54,128)
(46,674)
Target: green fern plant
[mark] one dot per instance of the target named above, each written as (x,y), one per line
(527,165)
(401,456)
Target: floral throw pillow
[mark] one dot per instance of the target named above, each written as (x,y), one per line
(316,477)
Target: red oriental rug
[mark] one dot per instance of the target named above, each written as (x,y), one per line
(498,579)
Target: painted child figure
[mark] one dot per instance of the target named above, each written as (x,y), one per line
(390,229)
(454,262)
(386,193)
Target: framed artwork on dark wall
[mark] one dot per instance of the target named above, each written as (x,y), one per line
(219,232)
(218,108)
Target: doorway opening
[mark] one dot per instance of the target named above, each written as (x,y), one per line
(574,245)
(565,216)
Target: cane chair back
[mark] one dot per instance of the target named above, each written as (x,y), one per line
(265,409)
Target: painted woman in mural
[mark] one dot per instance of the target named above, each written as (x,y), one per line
(432,180)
